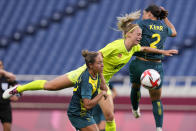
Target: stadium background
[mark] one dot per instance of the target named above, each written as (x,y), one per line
(40,39)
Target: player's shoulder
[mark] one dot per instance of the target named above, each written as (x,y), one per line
(143,22)
(116,44)
(117,41)
(85,74)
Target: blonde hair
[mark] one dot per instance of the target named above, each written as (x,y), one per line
(125,22)
(89,56)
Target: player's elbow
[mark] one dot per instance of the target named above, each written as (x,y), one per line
(87,104)
(87,107)
(174,33)
(144,48)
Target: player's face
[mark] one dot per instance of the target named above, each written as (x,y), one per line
(98,64)
(136,35)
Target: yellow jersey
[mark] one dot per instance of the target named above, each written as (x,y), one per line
(115,56)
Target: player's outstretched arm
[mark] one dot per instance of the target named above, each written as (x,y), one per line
(154,50)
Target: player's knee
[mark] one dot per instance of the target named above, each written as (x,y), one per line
(155,95)
(134,85)
(7,126)
(49,86)
(109,116)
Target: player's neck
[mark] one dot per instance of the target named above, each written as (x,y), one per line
(128,44)
(93,74)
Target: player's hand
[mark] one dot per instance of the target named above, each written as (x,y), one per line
(104,93)
(166,11)
(162,8)
(170,52)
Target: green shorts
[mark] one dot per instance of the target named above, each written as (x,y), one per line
(98,114)
(137,67)
(81,122)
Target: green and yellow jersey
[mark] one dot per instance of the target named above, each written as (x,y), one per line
(85,87)
(154,34)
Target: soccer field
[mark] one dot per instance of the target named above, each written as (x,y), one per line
(57,120)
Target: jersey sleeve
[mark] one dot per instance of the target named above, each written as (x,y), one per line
(136,48)
(169,31)
(86,87)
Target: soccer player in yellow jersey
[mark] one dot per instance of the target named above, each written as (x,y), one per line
(115,55)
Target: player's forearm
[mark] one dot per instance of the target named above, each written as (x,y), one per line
(89,104)
(151,50)
(171,26)
(103,85)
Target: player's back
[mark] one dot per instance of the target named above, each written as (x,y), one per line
(154,34)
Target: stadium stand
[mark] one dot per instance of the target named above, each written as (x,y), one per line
(90,29)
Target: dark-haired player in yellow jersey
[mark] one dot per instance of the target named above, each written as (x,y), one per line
(154,34)
(115,55)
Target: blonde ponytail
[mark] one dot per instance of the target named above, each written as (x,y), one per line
(127,19)
(125,22)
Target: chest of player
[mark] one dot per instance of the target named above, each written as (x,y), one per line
(118,59)
(94,84)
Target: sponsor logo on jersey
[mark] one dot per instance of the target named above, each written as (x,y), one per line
(119,55)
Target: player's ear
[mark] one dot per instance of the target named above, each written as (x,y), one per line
(90,65)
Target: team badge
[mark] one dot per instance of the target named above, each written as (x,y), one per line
(119,55)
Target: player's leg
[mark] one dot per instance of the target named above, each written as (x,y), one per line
(6,117)
(56,84)
(135,98)
(102,122)
(63,81)
(107,107)
(90,128)
(6,126)
(155,96)
(101,125)
(136,68)
(99,117)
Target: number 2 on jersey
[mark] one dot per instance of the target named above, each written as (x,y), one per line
(153,44)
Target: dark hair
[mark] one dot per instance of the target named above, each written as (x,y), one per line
(89,56)
(157,11)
